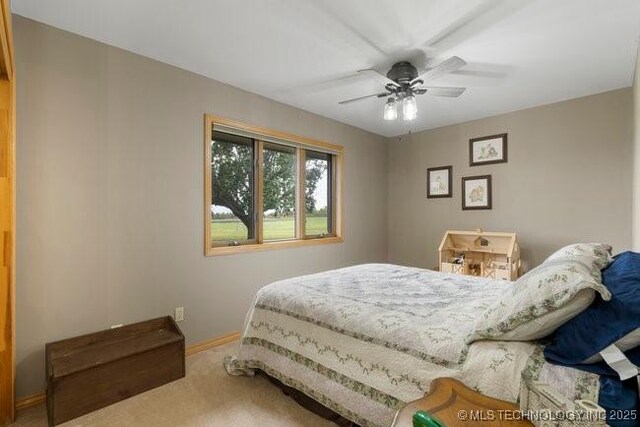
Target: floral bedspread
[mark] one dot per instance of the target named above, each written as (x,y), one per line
(365,340)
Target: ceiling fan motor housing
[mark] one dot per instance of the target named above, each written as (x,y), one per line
(402,82)
(402,73)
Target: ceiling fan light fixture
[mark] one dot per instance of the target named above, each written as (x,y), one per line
(409,108)
(403,82)
(391,109)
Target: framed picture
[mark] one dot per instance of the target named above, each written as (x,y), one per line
(476,192)
(439,182)
(488,150)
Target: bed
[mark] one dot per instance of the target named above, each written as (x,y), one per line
(364,340)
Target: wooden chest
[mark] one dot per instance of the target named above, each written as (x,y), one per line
(92,371)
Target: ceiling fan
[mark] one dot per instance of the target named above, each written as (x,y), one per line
(402,83)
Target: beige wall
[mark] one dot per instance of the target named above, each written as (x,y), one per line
(568,179)
(636,157)
(110,187)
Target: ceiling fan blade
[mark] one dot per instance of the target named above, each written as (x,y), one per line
(485,15)
(379,76)
(441,69)
(482,74)
(349,101)
(452,92)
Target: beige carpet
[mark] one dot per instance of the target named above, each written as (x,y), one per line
(207,396)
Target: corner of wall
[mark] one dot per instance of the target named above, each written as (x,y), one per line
(389,146)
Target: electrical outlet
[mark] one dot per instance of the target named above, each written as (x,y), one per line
(178,314)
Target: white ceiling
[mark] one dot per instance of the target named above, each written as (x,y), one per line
(520,53)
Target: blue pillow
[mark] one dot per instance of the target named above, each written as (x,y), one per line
(620,400)
(603,322)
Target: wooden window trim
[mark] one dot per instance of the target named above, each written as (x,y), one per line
(301,142)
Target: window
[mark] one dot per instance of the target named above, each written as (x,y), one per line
(233,189)
(266,189)
(279,192)
(318,219)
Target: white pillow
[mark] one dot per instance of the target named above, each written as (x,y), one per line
(598,254)
(547,323)
(546,297)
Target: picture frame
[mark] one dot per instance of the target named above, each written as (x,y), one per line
(439,182)
(488,150)
(477,193)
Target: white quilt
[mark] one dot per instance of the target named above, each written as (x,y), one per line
(366,339)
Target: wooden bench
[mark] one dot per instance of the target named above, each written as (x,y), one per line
(92,371)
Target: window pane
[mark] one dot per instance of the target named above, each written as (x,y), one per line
(279,192)
(232,207)
(317,194)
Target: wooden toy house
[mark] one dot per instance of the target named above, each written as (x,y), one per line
(480,253)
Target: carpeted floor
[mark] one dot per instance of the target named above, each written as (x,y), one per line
(207,396)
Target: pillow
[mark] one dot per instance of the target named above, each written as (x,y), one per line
(597,253)
(546,297)
(605,322)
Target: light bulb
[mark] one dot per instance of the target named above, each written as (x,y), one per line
(390,109)
(409,108)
